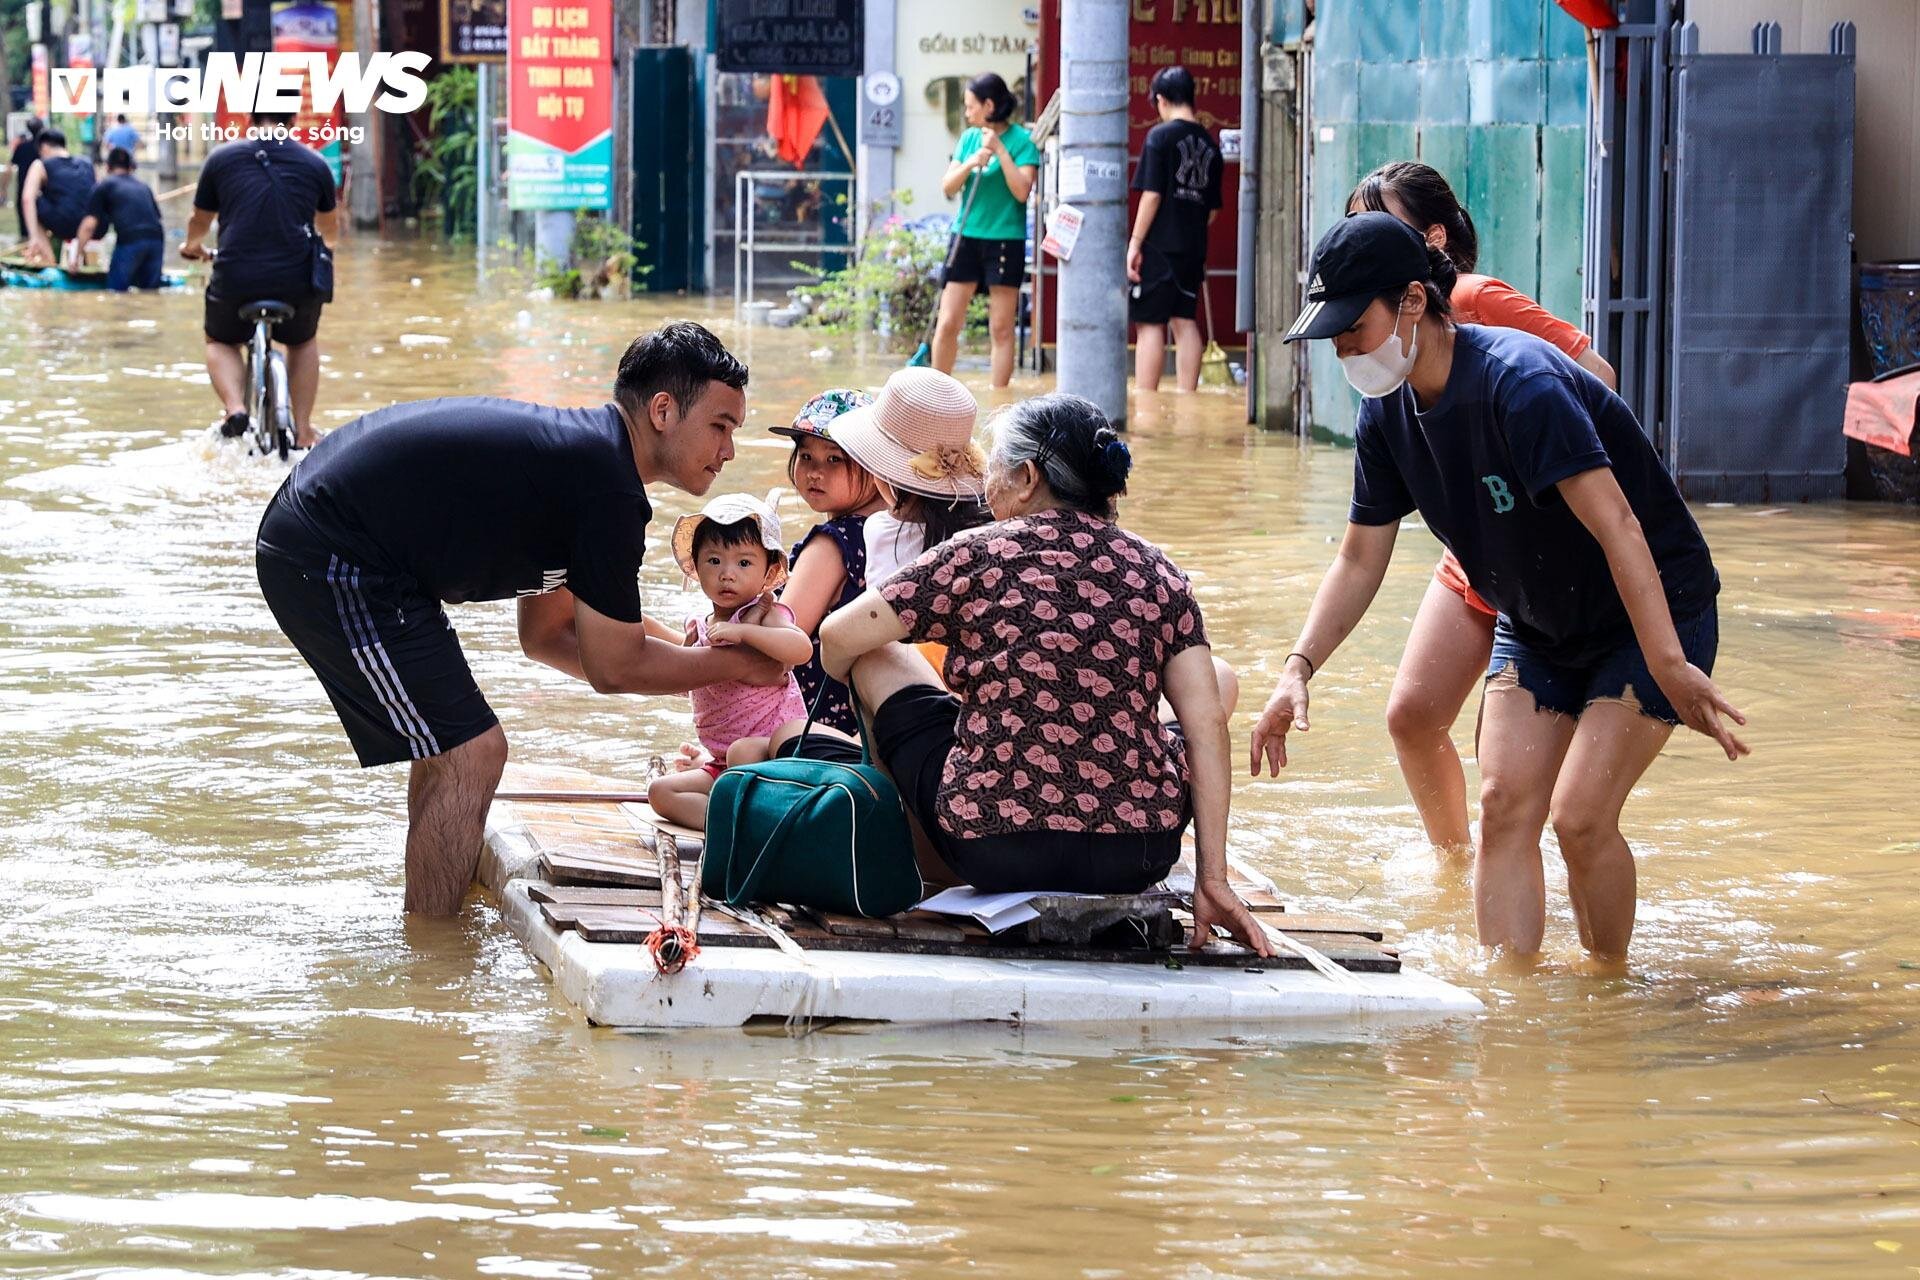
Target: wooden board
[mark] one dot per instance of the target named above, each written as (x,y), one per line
(562,868)
(632,925)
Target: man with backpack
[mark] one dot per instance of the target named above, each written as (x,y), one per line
(274,199)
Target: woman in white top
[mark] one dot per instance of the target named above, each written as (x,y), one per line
(916,440)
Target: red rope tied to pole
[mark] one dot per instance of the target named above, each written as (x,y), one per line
(671,947)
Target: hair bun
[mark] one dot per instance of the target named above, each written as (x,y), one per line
(1112,460)
(1441,271)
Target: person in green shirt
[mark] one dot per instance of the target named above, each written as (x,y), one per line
(995,163)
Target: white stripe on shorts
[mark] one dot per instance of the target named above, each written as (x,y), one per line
(341,577)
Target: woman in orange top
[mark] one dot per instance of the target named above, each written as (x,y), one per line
(1452,636)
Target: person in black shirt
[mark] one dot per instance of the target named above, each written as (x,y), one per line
(1179,184)
(54,197)
(25,151)
(1536,476)
(125,204)
(274,198)
(449,501)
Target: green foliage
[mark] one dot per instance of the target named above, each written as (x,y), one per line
(602,261)
(447,166)
(891,288)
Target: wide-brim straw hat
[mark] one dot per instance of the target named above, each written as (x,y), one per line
(817,416)
(918,435)
(729,508)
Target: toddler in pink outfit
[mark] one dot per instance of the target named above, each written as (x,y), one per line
(733,548)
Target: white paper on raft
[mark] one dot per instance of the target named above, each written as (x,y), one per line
(996,912)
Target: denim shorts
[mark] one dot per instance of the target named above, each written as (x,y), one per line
(1619,675)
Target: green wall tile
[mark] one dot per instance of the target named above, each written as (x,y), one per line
(1518,28)
(1336,91)
(1445,95)
(1563,170)
(1389,30)
(1563,36)
(1336,30)
(1443,31)
(1567,93)
(1445,148)
(1503,194)
(1508,92)
(1390,91)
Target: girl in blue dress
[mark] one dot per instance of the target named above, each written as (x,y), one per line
(828,567)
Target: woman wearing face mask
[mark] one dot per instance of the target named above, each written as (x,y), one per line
(1453,632)
(1538,478)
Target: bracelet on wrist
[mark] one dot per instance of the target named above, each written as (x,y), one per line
(1304,658)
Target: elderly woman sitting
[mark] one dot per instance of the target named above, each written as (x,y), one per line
(1048,766)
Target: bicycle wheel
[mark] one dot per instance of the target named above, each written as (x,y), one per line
(259,357)
(280,406)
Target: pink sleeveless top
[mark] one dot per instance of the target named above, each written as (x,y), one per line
(724,713)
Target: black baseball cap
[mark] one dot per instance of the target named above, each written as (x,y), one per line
(1360,258)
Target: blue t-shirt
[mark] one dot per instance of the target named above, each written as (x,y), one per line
(125,204)
(1516,418)
(125,135)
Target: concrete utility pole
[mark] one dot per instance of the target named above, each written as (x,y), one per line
(363,200)
(1093,132)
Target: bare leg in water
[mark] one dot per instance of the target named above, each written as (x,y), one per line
(447,800)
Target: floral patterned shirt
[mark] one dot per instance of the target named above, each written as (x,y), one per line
(1058,626)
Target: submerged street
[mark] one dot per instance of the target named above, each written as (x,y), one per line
(223,1050)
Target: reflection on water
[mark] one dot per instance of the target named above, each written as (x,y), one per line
(225,1053)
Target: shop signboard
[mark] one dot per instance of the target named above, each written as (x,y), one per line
(791,37)
(473,31)
(559,104)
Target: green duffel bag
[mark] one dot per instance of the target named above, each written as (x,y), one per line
(810,833)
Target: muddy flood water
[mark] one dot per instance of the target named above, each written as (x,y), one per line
(223,1052)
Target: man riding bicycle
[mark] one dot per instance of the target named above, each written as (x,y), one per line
(273,196)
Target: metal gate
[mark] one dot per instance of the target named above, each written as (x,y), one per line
(1718,276)
(1762,212)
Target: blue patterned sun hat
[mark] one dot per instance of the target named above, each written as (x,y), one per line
(816,415)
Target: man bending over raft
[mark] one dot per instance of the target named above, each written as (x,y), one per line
(468,499)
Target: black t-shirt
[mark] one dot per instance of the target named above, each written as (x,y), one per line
(1181,161)
(477,498)
(1517,417)
(63,195)
(25,152)
(265,194)
(124,203)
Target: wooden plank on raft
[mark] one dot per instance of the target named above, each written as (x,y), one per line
(633,925)
(593,896)
(1313,922)
(568,869)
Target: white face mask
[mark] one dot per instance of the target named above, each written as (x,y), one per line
(1380,372)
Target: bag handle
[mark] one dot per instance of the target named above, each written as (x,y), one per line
(853,698)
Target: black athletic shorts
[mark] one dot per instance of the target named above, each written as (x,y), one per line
(988,263)
(1169,287)
(223,322)
(913,732)
(384,651)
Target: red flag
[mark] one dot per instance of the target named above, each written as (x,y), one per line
(796,112)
